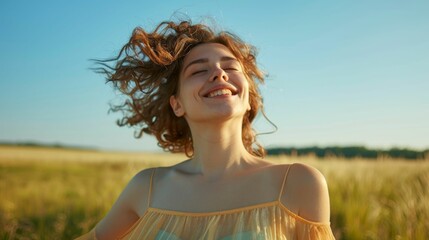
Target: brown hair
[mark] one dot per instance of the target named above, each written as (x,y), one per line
(147,71)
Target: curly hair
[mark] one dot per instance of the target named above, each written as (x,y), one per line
(147,71)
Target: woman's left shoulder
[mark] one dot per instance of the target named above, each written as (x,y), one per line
(307,191)
(307,175)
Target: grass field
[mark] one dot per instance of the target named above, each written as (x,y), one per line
(60,194)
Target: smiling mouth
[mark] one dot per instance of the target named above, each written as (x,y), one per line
(220,92)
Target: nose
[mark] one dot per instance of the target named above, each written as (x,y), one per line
(219,74)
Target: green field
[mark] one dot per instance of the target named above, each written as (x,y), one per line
(60,193)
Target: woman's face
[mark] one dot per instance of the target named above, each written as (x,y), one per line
(212,85)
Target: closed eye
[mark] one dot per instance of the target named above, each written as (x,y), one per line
(197,72)
(232,67)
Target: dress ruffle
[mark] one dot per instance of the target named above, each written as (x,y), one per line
(263,221)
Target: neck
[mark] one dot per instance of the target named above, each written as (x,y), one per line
(218,149)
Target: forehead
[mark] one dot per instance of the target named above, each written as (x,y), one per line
(208,51)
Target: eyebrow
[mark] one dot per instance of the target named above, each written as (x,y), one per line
(205,60)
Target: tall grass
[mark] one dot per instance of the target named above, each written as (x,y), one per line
(60,194)
(378,199)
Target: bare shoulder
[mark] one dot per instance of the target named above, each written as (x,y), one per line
(308,176)
(306,192)
(142,177)
(138,189)
(127,209)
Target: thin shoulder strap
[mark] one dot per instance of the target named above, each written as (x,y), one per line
(284,181)
(150,187)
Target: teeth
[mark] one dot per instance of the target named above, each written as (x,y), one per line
(220,92)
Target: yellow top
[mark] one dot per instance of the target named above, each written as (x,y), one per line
(271,220)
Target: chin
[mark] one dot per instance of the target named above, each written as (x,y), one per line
(226,114)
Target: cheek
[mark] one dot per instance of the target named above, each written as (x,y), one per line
(188,91)
(185,87)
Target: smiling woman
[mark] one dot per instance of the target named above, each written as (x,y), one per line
(148,69)
(197,92)
(213,86)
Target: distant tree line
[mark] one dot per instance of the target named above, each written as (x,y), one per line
(326,152)
(350,152)
(47,145)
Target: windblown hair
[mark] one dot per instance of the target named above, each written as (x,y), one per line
(147,71)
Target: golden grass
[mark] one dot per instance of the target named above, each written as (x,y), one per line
(60,194)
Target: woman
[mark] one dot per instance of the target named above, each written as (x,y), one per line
(197,92)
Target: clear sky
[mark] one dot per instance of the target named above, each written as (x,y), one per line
(340,72)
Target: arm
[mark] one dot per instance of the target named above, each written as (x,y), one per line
(125,211)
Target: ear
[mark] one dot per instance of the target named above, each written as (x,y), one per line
(176,106)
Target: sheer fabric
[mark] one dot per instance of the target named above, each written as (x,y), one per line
(270,220)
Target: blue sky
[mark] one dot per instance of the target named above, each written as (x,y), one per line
(340,72)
